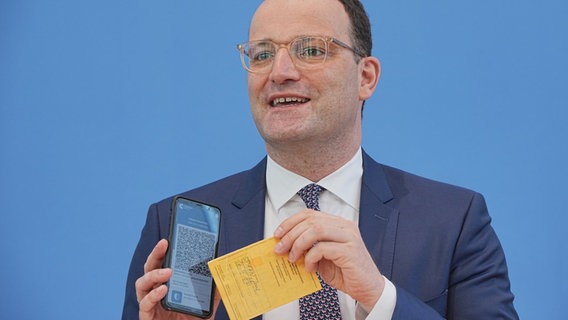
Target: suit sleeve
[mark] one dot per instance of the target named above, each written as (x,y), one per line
(478,285)
(149,237)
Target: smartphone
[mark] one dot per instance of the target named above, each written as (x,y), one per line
(193,241)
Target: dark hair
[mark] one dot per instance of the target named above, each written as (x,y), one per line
(360,29)
(360,26)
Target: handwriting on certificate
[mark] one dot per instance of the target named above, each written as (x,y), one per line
(254,280)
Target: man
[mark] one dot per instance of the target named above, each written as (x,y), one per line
(386,243)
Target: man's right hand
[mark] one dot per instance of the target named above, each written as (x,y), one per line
(150,288)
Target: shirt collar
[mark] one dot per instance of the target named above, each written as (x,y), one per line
(345,182)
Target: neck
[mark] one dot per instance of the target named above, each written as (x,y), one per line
(312,163)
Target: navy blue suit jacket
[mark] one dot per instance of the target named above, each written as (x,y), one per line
(432,240)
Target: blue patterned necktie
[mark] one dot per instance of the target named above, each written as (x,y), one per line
(322,304)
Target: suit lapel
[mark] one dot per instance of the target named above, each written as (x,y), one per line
(377,221)
(245,222)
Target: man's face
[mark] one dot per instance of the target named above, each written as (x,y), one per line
(327,100)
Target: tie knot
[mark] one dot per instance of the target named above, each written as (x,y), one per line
(310,195)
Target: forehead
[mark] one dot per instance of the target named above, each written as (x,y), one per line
(283,20)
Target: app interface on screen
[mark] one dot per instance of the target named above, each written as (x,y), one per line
(195,235)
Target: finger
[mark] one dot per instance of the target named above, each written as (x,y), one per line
(291,222)
(313,217)
(340,255)
(156,257)
(348,267)
(216,301)
(314,229)
(149,302)
(299,237)
(151,280)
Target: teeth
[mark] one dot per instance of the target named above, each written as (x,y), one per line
(287,100)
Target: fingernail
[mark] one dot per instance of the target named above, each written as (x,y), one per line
(278,247)
(291,257)
(278,232)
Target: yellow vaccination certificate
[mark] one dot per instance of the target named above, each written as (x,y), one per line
(254,280)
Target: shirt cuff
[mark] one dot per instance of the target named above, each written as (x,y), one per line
(384,308)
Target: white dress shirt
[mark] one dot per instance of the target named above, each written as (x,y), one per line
(340,198)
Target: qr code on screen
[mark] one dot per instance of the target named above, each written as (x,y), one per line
(198,248)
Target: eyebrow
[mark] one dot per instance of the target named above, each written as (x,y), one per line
(291,39)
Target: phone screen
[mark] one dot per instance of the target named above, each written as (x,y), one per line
(194,238)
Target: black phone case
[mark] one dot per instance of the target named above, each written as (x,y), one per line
(167,260)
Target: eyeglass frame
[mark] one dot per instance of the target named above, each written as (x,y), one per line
(326,39)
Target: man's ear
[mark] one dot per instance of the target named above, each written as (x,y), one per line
(370,74)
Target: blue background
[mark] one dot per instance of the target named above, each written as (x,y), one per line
(107,106)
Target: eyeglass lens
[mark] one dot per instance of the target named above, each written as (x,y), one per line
(259,55)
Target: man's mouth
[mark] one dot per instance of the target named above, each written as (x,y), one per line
(287,101)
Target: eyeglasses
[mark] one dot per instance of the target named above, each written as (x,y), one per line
(306,52)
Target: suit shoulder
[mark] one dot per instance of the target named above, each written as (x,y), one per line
(437,205)
(222,191)
(404,183)
(221,185)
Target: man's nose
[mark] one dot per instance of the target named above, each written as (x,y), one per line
(283,67)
